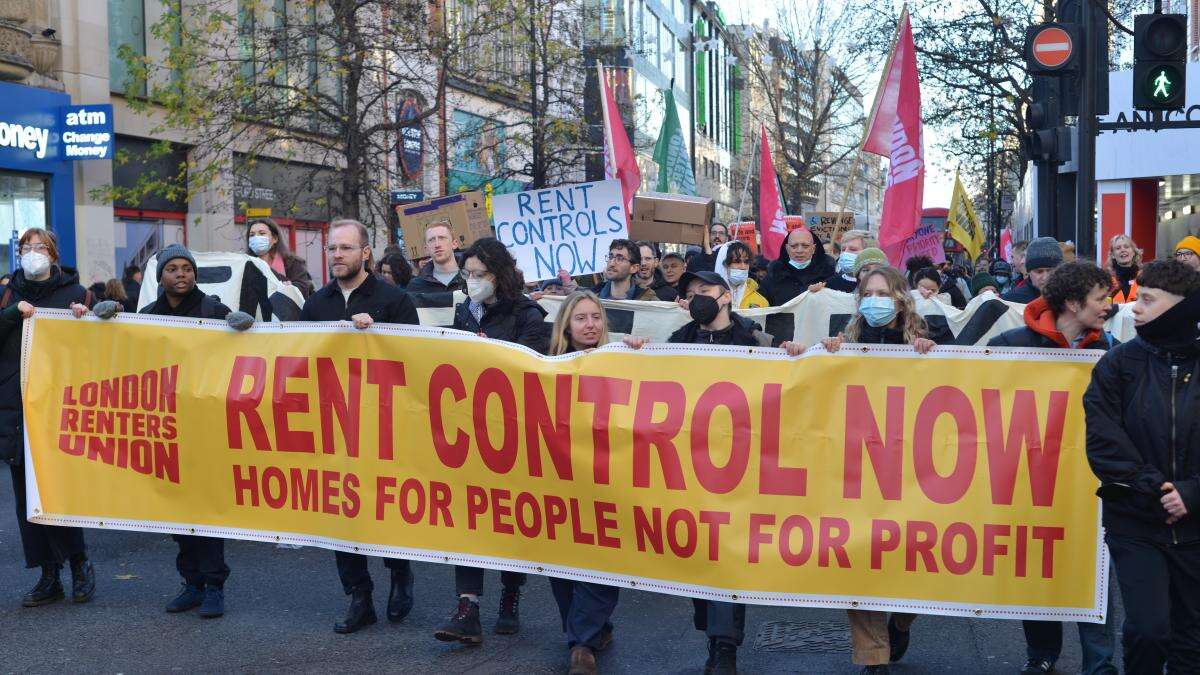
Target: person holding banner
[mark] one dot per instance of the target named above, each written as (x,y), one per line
(265,241)
(40,283)
(1143,443)
(853,242)
(496,308)
(622,262)
(1070,314)
(357,296)
(802,266)
(648,276)
(733,264)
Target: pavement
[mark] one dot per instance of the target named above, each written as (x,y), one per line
(281,605)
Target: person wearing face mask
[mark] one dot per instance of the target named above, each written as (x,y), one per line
(1124,263)
(802,265)
(496,308)
(41,282)
(1003,273)
(363,299)
(1143,444)
(733,264)
(265,241)
(710,304)
(984,283)
(1070,314)
(885,315)
(853,242)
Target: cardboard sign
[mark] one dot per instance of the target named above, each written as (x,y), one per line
(829,225)
(794,222)
(671,219)
(568,227)
(926,241)
(747,233)
(465,212)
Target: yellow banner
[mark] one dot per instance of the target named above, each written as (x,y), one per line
(963,224)
(953,483)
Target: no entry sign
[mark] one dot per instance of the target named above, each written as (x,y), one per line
(1049,47)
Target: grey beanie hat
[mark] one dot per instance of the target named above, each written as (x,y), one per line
(169,253)
(1043,252)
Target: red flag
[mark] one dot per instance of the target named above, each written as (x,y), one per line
(894,131)
(619,161)
(770,209)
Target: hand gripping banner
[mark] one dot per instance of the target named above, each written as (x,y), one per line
(874,478)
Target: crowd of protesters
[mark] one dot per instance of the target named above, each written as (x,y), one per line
(1143,438)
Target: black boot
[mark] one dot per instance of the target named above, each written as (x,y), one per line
(897,640)
(360,614)
(189,597)
(213,604)
(48,589)
(400,599)
(463,624)
(722,659)
(83,581)
(509,620)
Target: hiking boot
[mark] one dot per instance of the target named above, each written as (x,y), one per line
(722,659)
(360,613)
(463,625)
(213,604)
(583,661)
(48,589)
(509,620)
(897,640)
(83,581)
(189,598)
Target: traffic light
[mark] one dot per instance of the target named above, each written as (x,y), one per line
(1048,142)
(1159,61)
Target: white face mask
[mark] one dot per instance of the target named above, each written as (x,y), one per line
(35,264)
(738,277)
(480,290)
(260,244)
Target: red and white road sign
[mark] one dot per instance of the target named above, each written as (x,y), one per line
(1052,47)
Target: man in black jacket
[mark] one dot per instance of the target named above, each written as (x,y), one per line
(1041,257)
(1070,314)
(802,265)
(648,275)
(356,295)
(1143,443)
(441,273)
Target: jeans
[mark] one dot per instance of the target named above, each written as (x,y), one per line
(201,560)
(585,609)
(720,621)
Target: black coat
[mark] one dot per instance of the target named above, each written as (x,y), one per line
(60,291)
(741,332)
(1029,338)
(196,305)
(839,282)
(522,321)
(383,301)
(425,282)
(1024,293)
(1140,435)
(785,282)
(664,290)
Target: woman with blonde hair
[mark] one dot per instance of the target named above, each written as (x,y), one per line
(581,324)
(1124,263)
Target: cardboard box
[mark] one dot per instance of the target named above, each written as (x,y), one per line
(829,225)
(671,219)
(466,212)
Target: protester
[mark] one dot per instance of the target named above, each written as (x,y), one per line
(41,282)
(706,261)
(497,309)
(132,280)
(733,264)
(115,290)
(441,273)
(1003,273)
(622,261)
(801,266)
(1018,261)
(885,314)
(363,299)
(1041,257)
(710,304)
(1188,252)
(264,240)
(672,267)
(1070,314)
(1124,263)
(758,271)
(984,283)
(394,269)
(867,261)
(853,242)
(648,275)
(928,282)
(1068,251)
(97,290)
(1143,443)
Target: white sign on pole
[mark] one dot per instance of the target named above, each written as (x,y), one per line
(568,227)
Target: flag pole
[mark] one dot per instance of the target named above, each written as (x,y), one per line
(887,67)
(746,183)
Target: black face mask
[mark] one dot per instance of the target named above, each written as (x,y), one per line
(703,309)
(1175,329)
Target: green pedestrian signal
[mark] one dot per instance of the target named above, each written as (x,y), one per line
(1162,84)
(1159,61)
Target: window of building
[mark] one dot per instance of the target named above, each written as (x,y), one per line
(126,36)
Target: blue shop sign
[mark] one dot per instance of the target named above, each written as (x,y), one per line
(86,131)
(39,126)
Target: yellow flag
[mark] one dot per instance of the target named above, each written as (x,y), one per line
(962,222)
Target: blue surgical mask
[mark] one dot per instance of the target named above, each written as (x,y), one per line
(738,277)
(1002,280)
(845,263)
(877,311)
(800,265)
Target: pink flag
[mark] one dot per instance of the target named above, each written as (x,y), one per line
(619,161)
(894,131)
(770,209)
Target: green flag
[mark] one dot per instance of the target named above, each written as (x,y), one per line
(674,164)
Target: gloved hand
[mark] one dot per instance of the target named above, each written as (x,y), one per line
(106,309)
(239,320)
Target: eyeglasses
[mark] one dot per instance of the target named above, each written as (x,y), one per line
(344,249)
(1185,253)
(468,274)
(615,258)
(31,248)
